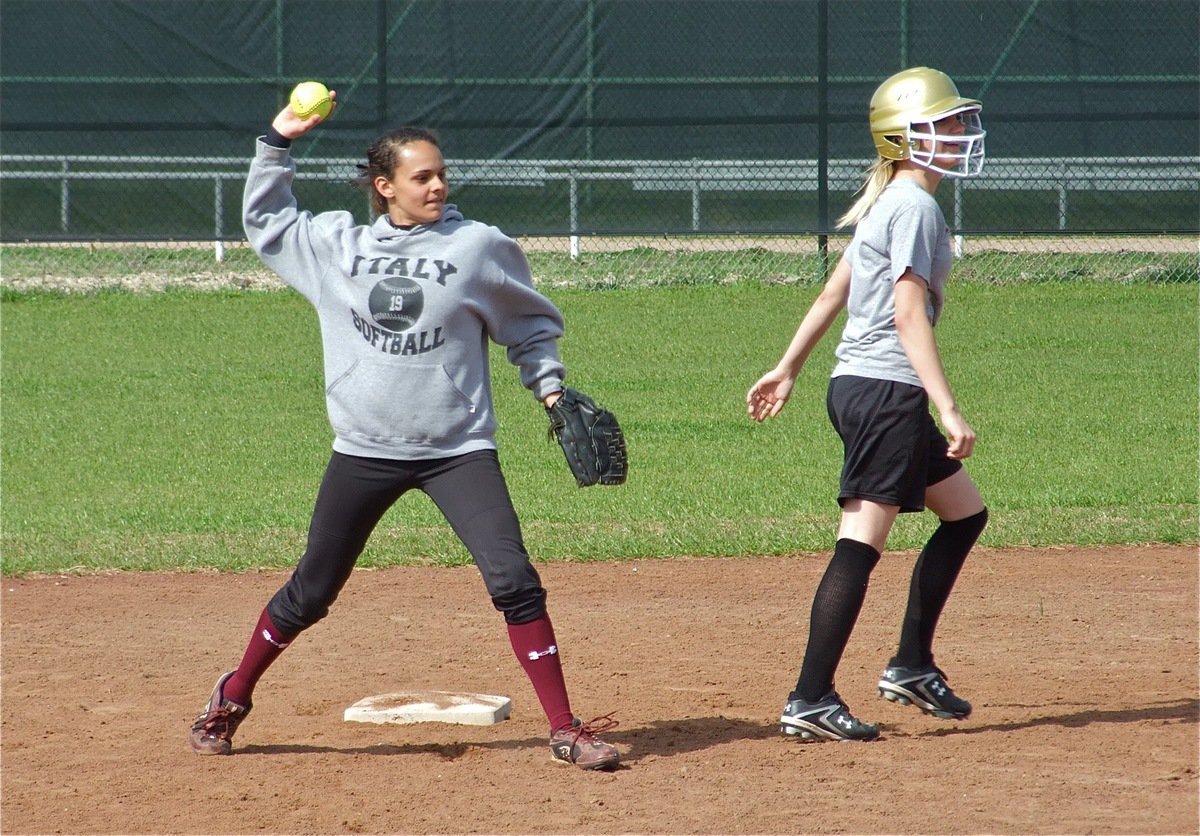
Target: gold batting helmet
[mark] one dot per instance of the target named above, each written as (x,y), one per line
(902,115)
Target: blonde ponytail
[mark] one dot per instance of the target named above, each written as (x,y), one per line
(874,182)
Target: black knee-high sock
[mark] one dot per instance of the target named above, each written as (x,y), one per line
(932,580)
(835,608)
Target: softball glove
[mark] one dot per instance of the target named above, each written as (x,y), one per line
(590,438)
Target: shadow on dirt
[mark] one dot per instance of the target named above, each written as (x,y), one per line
(661,738)
(1181,711)
(664,738)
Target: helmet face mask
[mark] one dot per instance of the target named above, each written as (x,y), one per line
(953,155)
(903,115)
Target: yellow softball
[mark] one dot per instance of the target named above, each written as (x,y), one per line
(311,97)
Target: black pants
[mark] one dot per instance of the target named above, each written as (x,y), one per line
(355,492)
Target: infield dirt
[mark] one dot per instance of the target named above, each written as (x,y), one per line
(1081,664)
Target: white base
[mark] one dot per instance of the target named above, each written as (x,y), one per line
(430,707)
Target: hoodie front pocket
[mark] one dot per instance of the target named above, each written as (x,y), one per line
(409,402)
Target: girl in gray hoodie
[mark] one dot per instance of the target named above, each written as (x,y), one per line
(407,306)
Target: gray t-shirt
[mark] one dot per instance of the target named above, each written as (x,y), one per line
(905,230)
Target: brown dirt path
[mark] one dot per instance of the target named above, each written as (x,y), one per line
(1082,665)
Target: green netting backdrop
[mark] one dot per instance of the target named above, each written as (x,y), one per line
(602,124)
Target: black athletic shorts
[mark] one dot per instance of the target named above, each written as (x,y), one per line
(893,448)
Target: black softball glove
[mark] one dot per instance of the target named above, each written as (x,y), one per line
(590,438)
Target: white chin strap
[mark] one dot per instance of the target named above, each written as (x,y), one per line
(965,150)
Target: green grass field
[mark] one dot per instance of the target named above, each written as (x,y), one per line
(186,430)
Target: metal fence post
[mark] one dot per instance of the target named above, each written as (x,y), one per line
(823,134)
(64,209)
(695,195)
(573,222)
(958,218)
(218,211)
(1062,196)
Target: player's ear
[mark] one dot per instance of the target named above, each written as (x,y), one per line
(384,187)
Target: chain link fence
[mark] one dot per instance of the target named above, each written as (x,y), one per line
(619,140)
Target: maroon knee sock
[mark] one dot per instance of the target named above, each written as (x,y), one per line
(264,648)
(537,651)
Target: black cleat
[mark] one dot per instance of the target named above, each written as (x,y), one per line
(925,688)
(828,719)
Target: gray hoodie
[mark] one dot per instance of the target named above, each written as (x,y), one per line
(405,317)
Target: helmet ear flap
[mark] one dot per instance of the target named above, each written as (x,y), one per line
(894,146)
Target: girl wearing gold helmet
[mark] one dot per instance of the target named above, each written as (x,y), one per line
(891,281)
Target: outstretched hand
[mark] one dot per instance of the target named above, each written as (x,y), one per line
(769,395)
(288,124)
